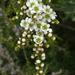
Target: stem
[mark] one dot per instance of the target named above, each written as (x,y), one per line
(25,56)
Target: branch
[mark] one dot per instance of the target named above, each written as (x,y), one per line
(55,73)
(25,55)
(68,27)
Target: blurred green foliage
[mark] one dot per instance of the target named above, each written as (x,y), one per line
(60,55)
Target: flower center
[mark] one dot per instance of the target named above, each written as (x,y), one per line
(36,8)
(24,23)
(44,27)
(39,33)
(38,25)
(32,4)
(47,10)
(39,14)
(39,2)
(30,25)
(47,16)
(38,40)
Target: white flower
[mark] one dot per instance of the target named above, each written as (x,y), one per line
(38,39)
(29,13)
(40,33)
(32,11)
(23,23)
(45,26)
(47,9)
(28,20)
(50,30)
(49,13)
(36,8)
(39,16)
(38,25)
(38,61)
(31,26)
(53,15)
(30,3)
(47,17)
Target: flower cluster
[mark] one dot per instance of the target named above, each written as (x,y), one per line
(39,17)
(37,28)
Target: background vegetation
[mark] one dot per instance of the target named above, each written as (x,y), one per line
(60,57)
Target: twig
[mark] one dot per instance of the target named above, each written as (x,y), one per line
(25,55)
(55,73)
(68,27)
